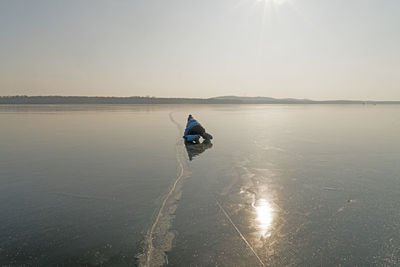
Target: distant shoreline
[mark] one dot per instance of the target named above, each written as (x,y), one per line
(8,100)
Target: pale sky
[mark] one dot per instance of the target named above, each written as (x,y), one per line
(317,49)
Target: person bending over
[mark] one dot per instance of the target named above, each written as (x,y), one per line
(194,130)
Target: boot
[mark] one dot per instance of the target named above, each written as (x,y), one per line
(207,136)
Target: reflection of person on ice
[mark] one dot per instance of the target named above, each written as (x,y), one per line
(193,150)
(194,130)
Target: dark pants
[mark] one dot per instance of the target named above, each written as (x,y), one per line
(197,129)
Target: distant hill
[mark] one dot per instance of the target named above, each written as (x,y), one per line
(263,100)
(160,100)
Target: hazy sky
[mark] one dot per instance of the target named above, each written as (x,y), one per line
(279,48)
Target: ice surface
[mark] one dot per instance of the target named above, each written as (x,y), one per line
(298,185)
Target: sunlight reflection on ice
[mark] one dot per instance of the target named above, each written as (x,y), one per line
(265,215)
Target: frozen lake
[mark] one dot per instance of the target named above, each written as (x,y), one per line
(280,185)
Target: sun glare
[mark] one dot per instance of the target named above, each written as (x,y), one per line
(264,213)
(279,2)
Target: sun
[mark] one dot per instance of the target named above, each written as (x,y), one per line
(278,2)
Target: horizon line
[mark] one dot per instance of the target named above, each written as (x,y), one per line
(199,98)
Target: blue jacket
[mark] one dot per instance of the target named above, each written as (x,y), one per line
(191,123)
